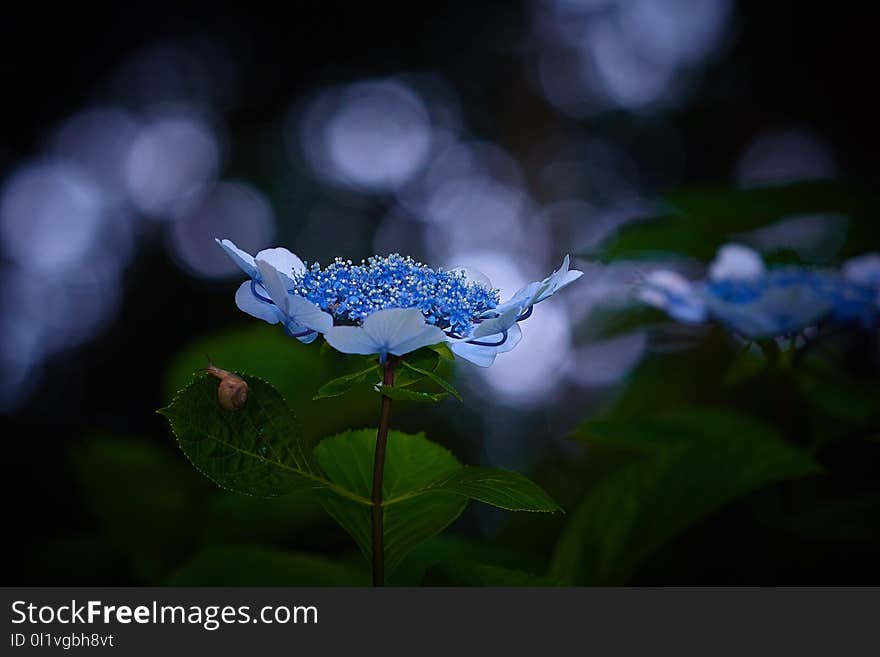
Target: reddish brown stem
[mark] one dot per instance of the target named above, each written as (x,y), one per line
(378,473)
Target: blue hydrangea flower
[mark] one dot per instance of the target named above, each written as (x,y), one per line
(676,295)
(741,293)
(267,295)
(388,305)
(864,271)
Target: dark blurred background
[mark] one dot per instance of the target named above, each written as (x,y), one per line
(501,135)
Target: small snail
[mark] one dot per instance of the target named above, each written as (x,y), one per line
(232,392)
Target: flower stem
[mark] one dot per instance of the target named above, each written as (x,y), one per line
(378,472)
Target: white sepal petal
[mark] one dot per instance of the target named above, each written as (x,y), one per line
(247,302)
(735,261)
(243,259)
(283,260)
(309,315)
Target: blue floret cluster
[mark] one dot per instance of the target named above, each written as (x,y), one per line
(760,302)
(352,292)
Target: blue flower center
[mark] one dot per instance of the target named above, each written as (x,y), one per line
(351,292)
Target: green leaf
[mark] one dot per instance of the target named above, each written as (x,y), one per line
(830,391)
(443,351)
(411,463)
(697,221)
(423,359)
(296,370)
(342,384)
(253,566)
(256,450)
(446,547)
(233,519)
(701,461)
(424,489)
(747,365)
(405,394)
(147,501)
(500,488)
(471,573)
(443,383)
(613,320)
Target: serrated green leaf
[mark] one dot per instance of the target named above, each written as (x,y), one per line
(342,384)
(443,383)
(425,488)
(411,463)
(717,458)
(256,450)
(500,488)
(296,370)
(405,394)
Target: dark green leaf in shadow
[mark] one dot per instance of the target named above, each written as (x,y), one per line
(447,547)
(697,221)
(830,391)
(231,518)
(719,457)
(252,566)
(499,488)
(748,364)
(147,501)
(472,573)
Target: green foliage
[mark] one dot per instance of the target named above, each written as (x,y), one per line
(829,391)
(412,463)
(412,369)
(442,349)
(695,222)
(253,566)
(147,503)
(344,383)
(151,510)
(747,365)
(695,462)
(297,370)
(419,368)
(500,488)
(471,573)
(424,489)
(405,394)
(256,450)
(447,547)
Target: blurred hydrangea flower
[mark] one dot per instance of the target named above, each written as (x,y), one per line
(388,305)
(758,303)
(865,270)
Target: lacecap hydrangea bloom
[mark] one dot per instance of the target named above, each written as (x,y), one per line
(388,305)
(758,302)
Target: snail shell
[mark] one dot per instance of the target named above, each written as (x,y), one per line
(232,392)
